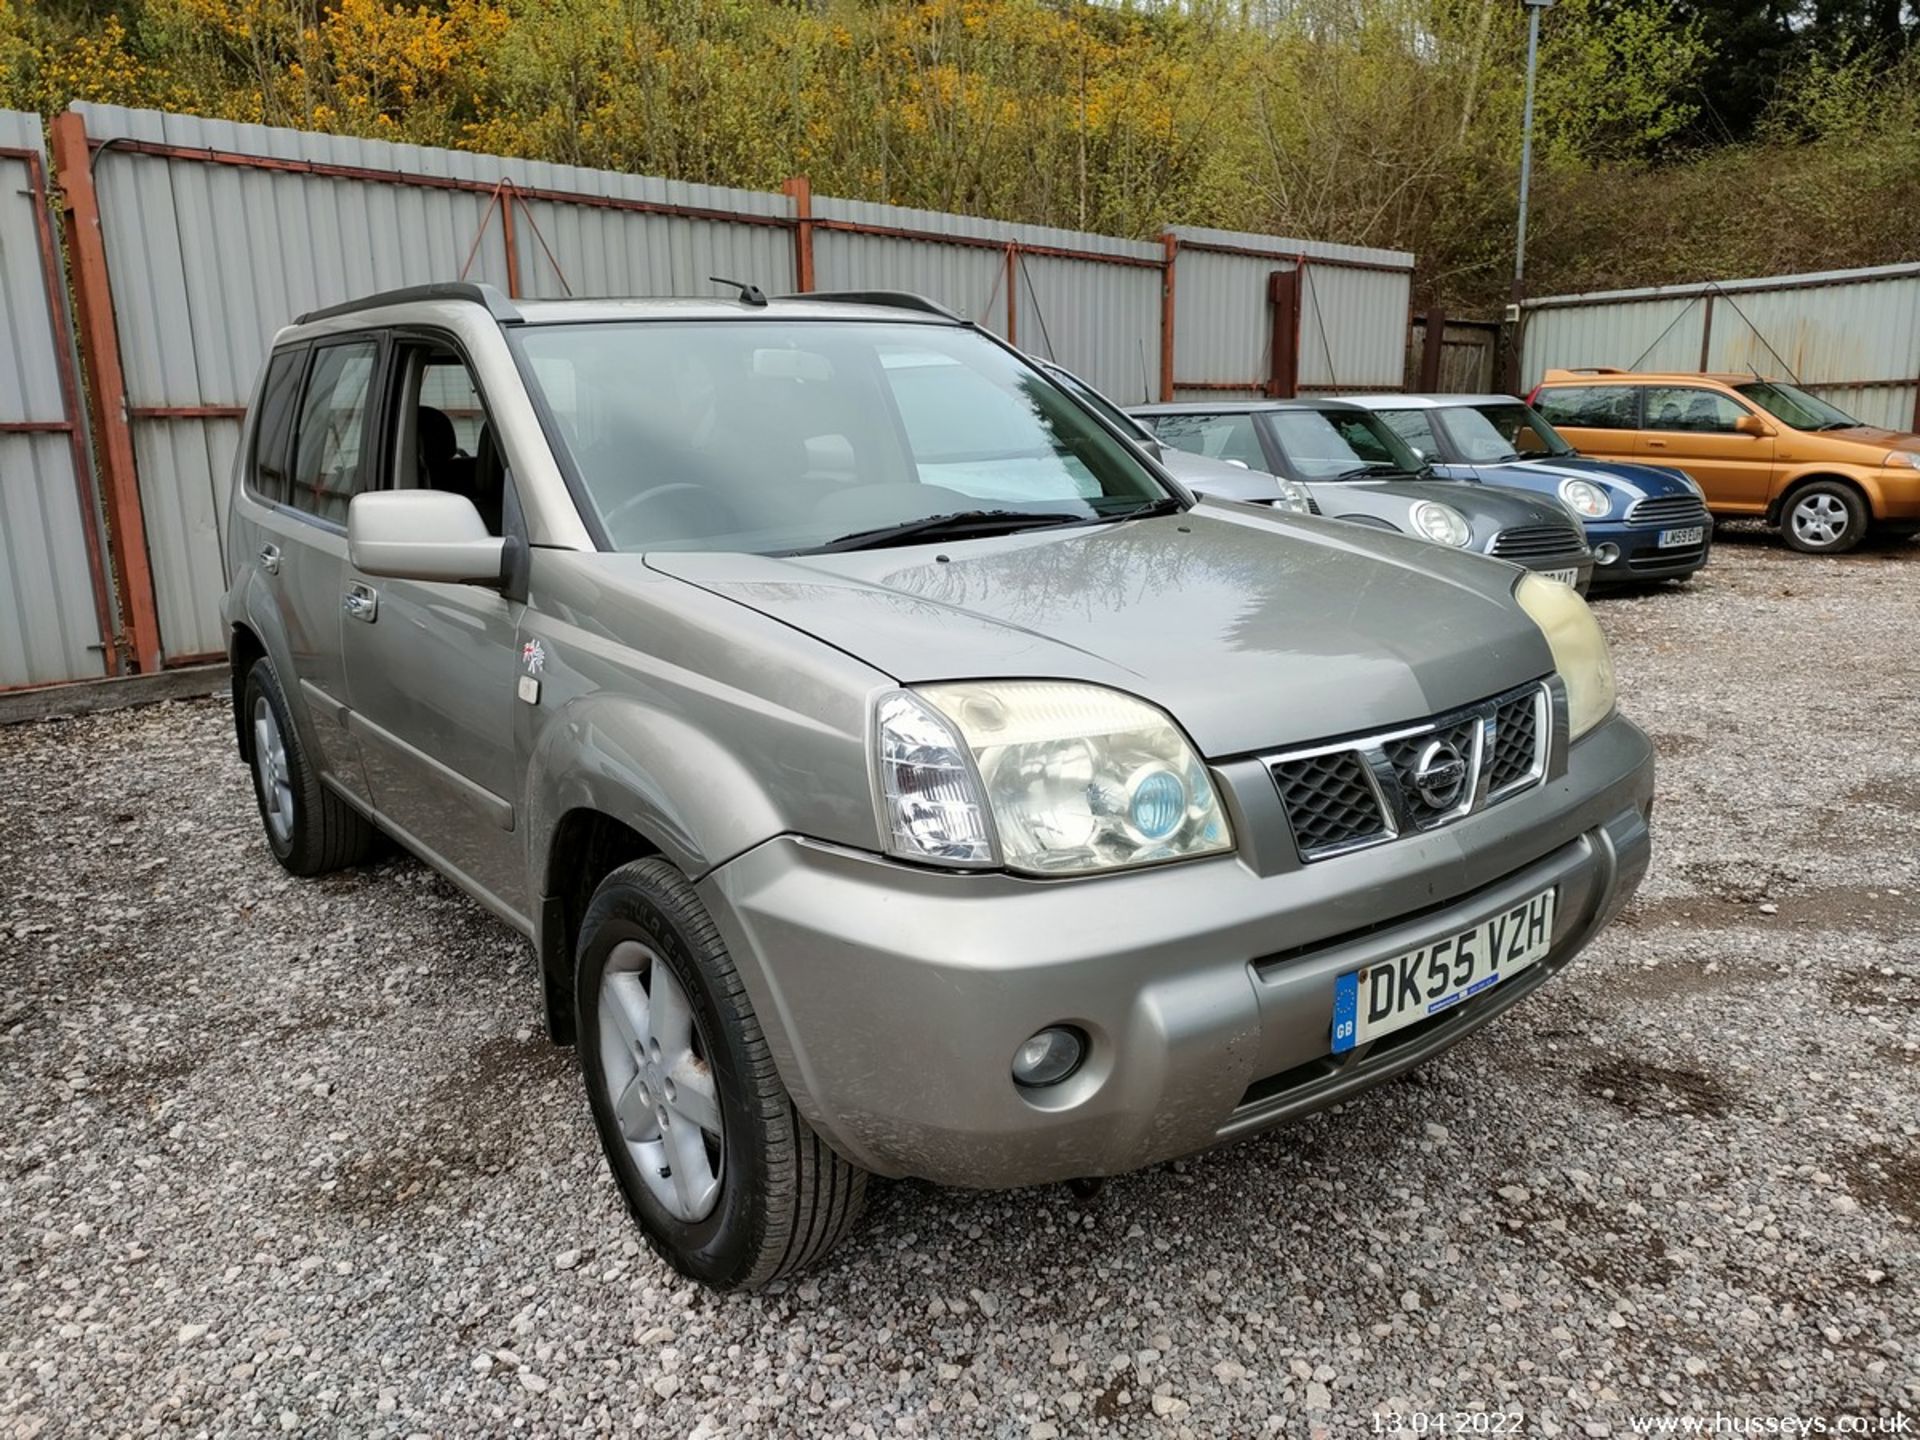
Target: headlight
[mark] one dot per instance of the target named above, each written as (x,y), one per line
(1293,496)
(1441,524)
(1580,651)
(1045,777)
(1897,459)
(1583,497)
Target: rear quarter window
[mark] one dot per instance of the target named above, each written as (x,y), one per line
(1590,407)
(274,426)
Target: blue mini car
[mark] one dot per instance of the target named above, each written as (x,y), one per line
(1644,522)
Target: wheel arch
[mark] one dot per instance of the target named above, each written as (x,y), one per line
(1867,492)
(584,846)
(612,779)
(244,649)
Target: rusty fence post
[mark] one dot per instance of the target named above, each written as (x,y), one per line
(1170,243)
(72,424)
(107,388)
(1013,293)
(509,197)
(799,189)
(1283,302)
(1433,341)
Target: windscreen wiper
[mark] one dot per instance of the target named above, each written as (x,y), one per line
(1148,509)
(959,525)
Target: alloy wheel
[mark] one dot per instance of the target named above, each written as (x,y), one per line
(1819,519)
(270,760)
(662,1089)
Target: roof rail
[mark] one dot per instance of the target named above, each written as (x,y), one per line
(893,299)
(499,306)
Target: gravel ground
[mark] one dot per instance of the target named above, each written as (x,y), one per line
(295,1155)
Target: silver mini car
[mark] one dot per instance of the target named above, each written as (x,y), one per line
(894,770)
(1357,468)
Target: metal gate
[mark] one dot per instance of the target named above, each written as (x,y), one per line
(56,615)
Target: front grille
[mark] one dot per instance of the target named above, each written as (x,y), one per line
(1530,542)
(1454,743)
(1366,791)
(1668,510)
(1331,802)
(1514,748)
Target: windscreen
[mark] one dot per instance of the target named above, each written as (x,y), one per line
(1493,434)
(781,436)
(1793,406)
(1340,445)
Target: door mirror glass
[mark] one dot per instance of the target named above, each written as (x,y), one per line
(1751,425)
(422,535)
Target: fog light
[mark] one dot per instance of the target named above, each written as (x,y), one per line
(1607,553)
(1049,1057)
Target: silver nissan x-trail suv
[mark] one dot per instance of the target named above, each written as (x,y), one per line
(895,771)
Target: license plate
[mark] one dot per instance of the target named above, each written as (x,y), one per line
(1688,535)
(1565,577)
(1378,999)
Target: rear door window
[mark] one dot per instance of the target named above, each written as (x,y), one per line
(332,459)
(1218,437)
(273,427)
(1591,407)
(1688,408)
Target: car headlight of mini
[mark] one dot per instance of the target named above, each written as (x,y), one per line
(1580,652)
(1293,496)
(1441,524)
(1044,777)
(1583,497)
(1902,459)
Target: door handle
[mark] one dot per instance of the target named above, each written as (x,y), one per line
(361,603)
(1656,444)
(270,559)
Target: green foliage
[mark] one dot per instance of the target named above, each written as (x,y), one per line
(1392,123)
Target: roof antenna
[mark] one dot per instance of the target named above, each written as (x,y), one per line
(750,294)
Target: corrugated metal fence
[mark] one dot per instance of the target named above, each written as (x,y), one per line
(197,239)
(54,614)
(1850,336)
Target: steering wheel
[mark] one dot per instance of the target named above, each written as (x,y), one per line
(693,510)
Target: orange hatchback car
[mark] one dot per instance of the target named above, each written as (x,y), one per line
(1756,447)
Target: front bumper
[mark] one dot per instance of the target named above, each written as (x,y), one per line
(1641,555)
(894,997)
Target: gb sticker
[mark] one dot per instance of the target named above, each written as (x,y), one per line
(534,656)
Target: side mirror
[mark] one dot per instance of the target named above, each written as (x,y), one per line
(422,535)
(1752,425)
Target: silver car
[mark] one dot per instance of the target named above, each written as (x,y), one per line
(1218,479)
(1357,468)
(893,771)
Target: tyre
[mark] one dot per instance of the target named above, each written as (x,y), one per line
(724,1177)
(310,829)
(1824,518)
